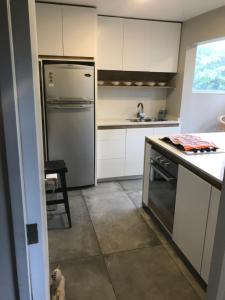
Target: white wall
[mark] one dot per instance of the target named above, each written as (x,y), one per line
(199,111)
(121,102)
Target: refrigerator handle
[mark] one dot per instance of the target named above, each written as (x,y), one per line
(57,106)
(69,100)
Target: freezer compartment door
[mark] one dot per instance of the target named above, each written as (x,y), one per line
(71,138)
(69,82)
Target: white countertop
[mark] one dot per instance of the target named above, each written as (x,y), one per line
(125,122)
(211,165)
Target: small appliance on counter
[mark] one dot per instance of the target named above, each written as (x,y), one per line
(191,144)
(162,115)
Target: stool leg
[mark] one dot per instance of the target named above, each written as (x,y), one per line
(65,196)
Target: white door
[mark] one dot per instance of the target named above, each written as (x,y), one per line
(23,140)
(191,212)
(79,31)
(49,29)
(110,43)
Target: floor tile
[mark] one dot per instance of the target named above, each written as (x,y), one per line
(77,208)
(136,198)
(133,185)
(87,279)
(103,187)
(117,223)
(78,241)
(147,273)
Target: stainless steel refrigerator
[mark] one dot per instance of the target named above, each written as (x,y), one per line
(70,119)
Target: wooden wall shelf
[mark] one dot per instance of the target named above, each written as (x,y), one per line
(121,85)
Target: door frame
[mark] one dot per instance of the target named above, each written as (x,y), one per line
(21,111)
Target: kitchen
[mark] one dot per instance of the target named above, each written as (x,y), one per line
(139,130)
(133,91)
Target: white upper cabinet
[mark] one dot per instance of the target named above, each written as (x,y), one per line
(165,44)
(137,46)
(66,30)
(110,43)
(79,31)
(151,46)
(49,29)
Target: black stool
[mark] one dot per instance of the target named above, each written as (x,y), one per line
(59,167)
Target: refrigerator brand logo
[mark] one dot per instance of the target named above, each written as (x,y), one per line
(51,83)
(87,75)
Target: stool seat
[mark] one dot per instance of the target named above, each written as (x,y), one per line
(59,167)
(55,166)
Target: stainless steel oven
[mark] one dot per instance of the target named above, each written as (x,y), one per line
(162,188)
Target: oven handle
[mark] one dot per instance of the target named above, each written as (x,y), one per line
(162,173)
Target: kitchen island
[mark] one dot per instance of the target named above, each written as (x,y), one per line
(183,191)
(208,166)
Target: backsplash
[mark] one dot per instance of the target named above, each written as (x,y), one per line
(121,102)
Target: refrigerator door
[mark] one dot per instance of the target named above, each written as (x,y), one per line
(71,134)
(69,82)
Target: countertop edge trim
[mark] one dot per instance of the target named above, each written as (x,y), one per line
(137,126)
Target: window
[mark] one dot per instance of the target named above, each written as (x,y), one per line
(210,68)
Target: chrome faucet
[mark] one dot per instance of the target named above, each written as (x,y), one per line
(140,112)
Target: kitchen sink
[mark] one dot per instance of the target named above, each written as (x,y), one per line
(141,120)
(136,120)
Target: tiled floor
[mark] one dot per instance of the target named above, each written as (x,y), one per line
(114,250)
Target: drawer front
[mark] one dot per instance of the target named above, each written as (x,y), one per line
(111,134)
(109,168)
(166,130)
(111,149)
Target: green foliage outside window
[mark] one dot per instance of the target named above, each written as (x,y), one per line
(210,67)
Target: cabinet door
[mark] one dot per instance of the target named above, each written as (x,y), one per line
(49,29)
(151,46)
(210,233)
(111,144)
(166,130)
(109,168)
(79,31)
(110,43)
(135,143)
(165,43)
(111,153)
(137,47)
(191,211)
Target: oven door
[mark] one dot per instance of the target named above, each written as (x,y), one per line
(162,195)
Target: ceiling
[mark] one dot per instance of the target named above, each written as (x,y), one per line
(173,10)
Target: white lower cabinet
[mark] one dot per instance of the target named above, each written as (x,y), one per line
(111,145)
(109,168)
(120,152)
(196,211)
(210,233)
(191,212)
(135,142)
(166,130)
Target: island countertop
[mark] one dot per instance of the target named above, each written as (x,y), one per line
(210,166)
